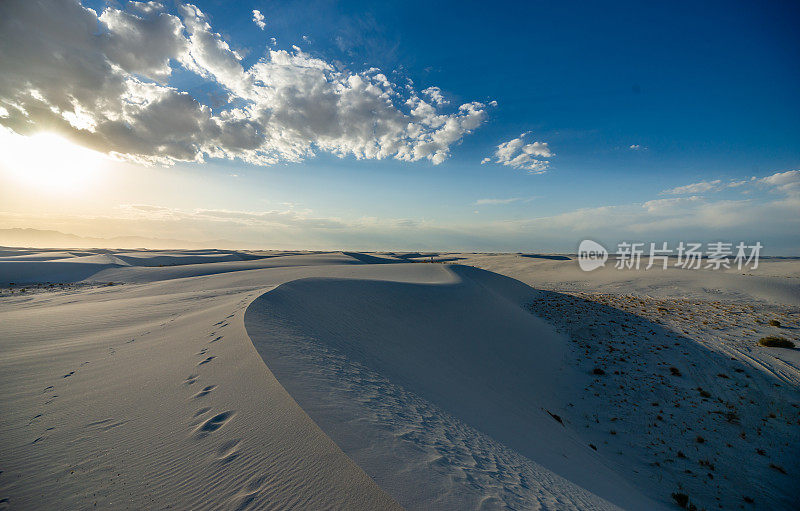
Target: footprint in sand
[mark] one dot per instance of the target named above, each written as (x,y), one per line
(216,339)
(206,361)
(214,423)
(197,418)
(206,391)
(249,493)
(68,374)
(203,351)
(228,451)
(190,379)
(257,483)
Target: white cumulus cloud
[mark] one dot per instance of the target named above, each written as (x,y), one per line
(259,19)
(435,95)
(787,182)
(103,80)
(518,154)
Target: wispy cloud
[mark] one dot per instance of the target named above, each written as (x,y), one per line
(262,219)
(669,206)
(700,187)
(784,182)
(510,200)
(767,217)
(770,218)
(787,182)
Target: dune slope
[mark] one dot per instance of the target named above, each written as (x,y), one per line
(450,383)
(246,380)
(152,396)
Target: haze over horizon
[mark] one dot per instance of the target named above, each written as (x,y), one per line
(457,126)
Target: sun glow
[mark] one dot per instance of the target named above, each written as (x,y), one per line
(49,162)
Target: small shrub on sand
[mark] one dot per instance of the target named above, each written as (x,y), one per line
(774,341)
(707,464)
(681,499)
(774,322)
(732,417)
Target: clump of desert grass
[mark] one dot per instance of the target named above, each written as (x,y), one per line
(682,500)
(773,341)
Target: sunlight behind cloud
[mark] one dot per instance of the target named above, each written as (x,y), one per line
(48,163)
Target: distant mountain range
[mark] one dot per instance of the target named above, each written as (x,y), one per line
(19,237)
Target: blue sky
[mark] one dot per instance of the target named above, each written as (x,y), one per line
(632,100)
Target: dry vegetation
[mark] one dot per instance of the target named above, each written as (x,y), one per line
(673,384)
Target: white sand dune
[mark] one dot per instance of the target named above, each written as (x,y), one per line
(236,380)
(20,255)
(450,381)
(775,281)
(152,395)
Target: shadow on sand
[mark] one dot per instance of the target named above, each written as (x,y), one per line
(691,415)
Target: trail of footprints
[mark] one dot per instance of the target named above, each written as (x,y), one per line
(202,424)
(227,452)
(206,391)
(205,423)
(50,395)
(50,390)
